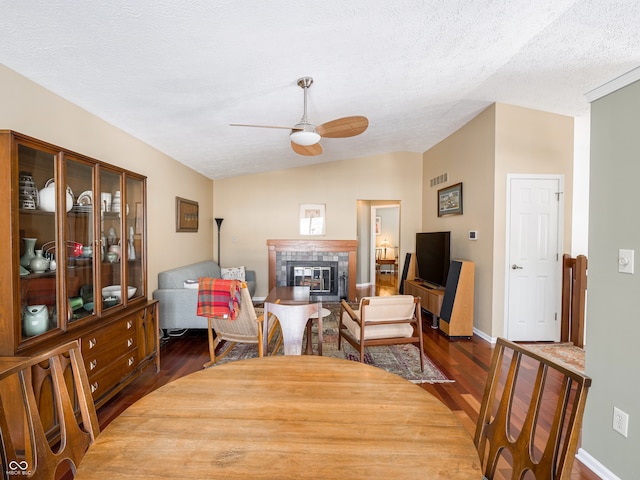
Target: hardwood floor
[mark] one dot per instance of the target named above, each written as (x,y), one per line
(465,361)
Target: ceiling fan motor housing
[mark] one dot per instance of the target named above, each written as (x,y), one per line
(304,134)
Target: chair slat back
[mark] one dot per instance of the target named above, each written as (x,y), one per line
(47,414)
(511,426)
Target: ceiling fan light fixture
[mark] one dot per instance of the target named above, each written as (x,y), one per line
(305,138)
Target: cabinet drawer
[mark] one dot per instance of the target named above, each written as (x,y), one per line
(108,377)
(104,337)
(97,360)
(432,303)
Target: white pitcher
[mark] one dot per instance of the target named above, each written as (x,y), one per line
(48,197)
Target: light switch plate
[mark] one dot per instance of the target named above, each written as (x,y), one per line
(625,260)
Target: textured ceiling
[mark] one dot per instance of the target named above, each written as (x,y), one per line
(175,73)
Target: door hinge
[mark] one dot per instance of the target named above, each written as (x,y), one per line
(558,196)
(555,316)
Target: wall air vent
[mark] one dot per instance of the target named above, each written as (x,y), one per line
(442,178)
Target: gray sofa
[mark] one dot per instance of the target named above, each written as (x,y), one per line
(178,304)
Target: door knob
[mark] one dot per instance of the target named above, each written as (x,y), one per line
(516,267)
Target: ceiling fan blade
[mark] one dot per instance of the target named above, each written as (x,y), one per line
(262,126)
(343,127)
(308,151)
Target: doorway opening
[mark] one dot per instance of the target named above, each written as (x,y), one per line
(378,246)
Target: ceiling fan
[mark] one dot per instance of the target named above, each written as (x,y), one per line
(305,136)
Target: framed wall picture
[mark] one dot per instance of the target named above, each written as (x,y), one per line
(312,219)
(450,200)
(186,215)
(378,225)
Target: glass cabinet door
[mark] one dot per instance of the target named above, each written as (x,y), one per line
(38,247)
(79,239)
(111,241)
(134,236)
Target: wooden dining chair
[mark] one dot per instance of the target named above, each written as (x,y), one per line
(513,431)
(386,320)
(293,322)
(245,328)
(47,416)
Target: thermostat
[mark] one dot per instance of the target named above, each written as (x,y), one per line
(473,234)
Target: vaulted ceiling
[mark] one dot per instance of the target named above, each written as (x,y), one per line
(176,73)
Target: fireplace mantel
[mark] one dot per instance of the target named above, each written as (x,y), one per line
(349,246)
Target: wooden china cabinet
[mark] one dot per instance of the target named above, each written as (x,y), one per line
(73,257)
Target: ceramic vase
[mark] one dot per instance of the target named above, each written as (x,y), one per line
(115,203)
(29,251)
(35,320)
(39,264)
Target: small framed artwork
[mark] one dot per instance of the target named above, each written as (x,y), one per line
(450,200)
(186,215)
(312,219)
(378,225)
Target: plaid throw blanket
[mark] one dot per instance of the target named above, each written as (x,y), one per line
(218,298)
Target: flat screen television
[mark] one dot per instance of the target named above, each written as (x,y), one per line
(433,258)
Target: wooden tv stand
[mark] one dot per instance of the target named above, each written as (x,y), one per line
(458,301)
(431,297)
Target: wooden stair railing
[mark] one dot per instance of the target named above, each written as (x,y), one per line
(574,291)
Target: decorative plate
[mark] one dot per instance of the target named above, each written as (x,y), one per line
(85,198)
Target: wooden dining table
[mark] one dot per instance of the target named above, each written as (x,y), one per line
(285,417)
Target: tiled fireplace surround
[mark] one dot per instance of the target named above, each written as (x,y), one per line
(341,251)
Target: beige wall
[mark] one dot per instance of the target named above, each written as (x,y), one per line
(32,110)
(467,156)
(266,206)
(501,140)
(527,142)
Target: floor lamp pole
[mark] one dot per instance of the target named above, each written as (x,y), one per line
(219,223)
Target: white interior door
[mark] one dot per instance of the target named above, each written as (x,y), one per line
(534,260)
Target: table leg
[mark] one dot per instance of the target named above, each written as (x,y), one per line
(309,350)
(320,335)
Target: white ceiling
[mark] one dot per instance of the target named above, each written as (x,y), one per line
(175,73)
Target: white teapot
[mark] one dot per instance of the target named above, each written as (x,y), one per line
(48,197)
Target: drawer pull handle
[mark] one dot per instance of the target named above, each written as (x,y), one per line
(92,342)
(129,342)
(94,387)
(129,324)
(93,364)
(131,361)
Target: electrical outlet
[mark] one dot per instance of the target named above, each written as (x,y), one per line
(620,422)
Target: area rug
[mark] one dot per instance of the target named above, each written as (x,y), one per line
(402,360)
(564,353)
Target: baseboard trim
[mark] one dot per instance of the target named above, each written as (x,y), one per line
(484,336)
(595,466)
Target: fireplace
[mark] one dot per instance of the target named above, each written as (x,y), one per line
(320,277)
(339,256)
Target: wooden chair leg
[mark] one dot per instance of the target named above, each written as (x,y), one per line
(212,345)
(222,354)
(272,332)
